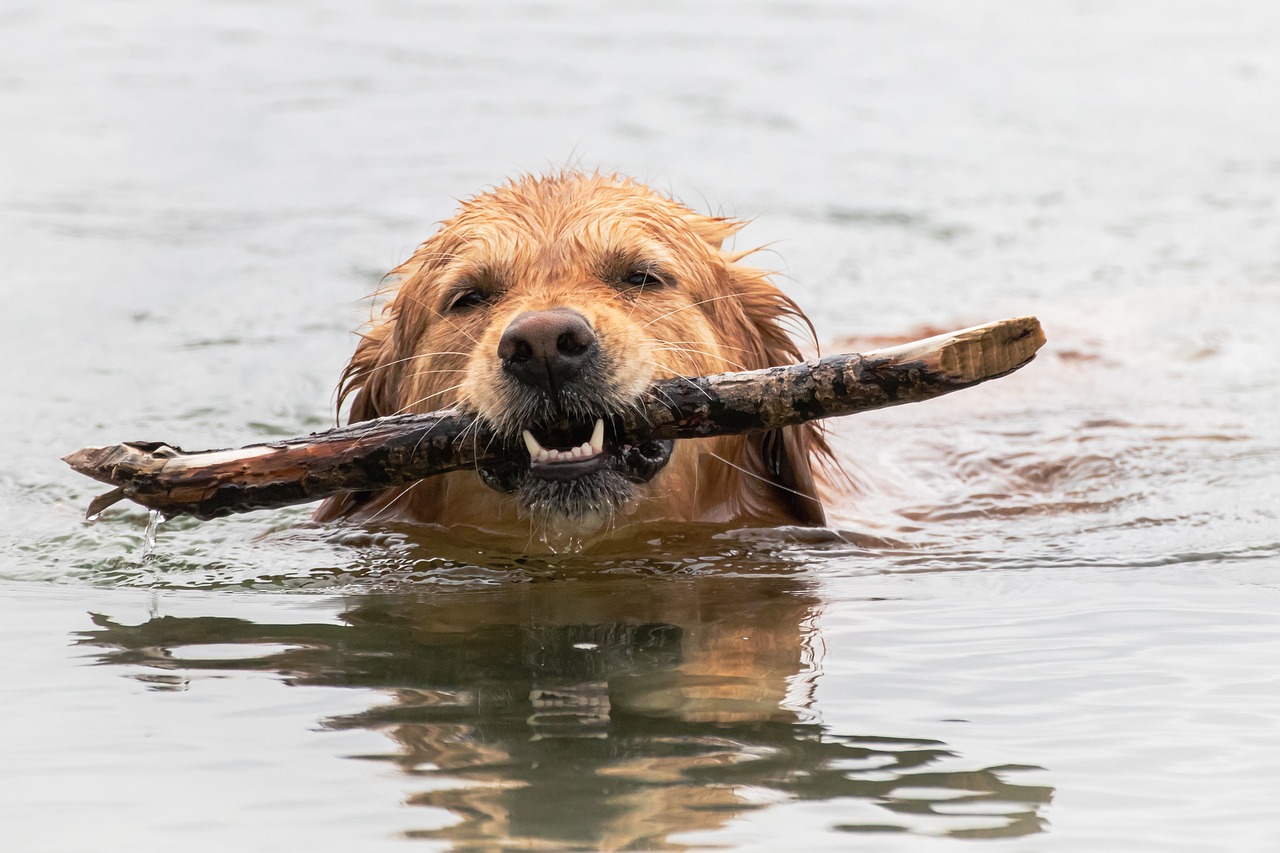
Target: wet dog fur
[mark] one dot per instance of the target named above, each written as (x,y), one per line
(550,302)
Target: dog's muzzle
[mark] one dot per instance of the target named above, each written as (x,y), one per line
(561,452)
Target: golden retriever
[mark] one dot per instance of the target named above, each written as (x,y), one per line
(545,306)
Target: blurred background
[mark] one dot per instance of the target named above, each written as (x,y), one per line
(1049,611)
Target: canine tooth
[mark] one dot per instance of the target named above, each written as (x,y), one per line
(535,449)
(597,436)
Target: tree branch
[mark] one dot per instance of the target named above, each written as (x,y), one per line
(401,449)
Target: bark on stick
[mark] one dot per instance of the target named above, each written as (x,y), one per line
(397,450)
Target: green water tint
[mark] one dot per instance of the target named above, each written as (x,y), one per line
(594,714)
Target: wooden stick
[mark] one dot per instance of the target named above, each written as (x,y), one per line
(391,451)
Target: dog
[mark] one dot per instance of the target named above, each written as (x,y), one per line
(550,303)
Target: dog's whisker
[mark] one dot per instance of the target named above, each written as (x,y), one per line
(672,402)
(424,436)
(720,344)
(392,502)
(408,406)
(685,350)
(375,368)
(690,382)
(667,397)
(691,305)
(753,474)
(471,428)
(435,371)
(662,369)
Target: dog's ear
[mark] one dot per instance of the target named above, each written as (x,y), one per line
(373,377)
(783,460)
(786,457)
(370,377)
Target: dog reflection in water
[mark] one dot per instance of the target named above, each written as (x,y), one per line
(602,714)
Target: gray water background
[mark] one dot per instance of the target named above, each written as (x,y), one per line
(1053,622)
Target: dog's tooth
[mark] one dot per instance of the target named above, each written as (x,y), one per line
(535,449)
(597,436)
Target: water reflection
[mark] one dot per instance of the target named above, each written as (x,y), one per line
(596,714)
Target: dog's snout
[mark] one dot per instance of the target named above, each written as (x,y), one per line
(547,348)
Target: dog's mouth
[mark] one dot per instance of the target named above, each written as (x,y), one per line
(573,468)
(558,455)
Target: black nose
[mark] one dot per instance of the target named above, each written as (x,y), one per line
(547,348)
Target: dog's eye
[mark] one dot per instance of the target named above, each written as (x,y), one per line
(643,278)
(469,298)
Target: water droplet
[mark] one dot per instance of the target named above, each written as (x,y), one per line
(154,519)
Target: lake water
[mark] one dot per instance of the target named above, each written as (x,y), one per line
(1050,619)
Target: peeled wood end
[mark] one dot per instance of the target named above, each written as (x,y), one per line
(977,353)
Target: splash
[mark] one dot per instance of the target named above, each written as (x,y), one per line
(154,519)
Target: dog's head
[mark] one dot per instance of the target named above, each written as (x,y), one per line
(549,304)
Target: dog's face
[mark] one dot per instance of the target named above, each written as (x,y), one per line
(549,305)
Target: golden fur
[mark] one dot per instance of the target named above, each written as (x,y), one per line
(575,241)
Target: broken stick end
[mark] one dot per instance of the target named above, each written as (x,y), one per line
(101,502)
(979,353)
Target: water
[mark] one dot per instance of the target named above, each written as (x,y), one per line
(1049,617)
(154,519)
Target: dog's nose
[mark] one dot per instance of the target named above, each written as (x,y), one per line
(547,348)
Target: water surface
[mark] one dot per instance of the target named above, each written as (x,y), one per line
(1047,615)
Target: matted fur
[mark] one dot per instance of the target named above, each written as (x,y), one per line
(572,240)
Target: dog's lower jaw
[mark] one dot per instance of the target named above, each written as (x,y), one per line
(575,508)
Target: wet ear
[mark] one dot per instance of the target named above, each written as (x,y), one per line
(371,380)
(371,376)
(782,459)
(785,455)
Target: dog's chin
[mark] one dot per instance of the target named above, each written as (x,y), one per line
(574,473)
(583,504)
